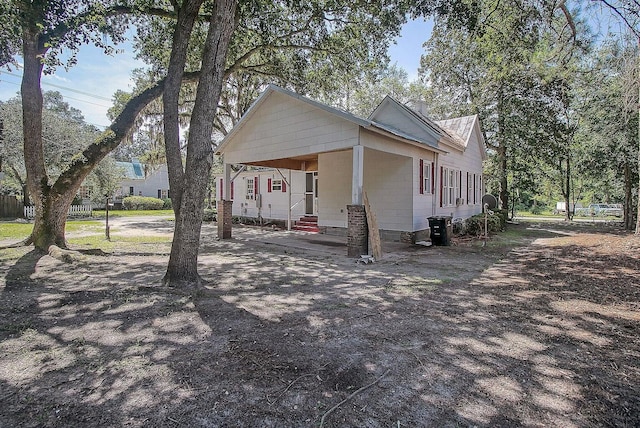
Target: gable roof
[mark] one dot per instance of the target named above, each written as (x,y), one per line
(461,126)
(423,122)
(132,170)
(464,127)
(443,135)
(368,124)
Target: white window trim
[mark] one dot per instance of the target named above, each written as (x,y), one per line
(250,187)
(427,186)
(450,186)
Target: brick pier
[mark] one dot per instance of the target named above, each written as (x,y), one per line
(224,219)
(357,233)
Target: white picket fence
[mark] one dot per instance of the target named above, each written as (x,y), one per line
(74,211)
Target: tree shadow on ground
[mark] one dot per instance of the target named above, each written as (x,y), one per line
(279,337)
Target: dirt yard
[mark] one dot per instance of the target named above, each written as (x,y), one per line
(539,328)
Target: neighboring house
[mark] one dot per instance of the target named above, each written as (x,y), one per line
(410,167)
(137,181)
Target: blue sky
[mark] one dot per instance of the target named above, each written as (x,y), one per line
(96,77)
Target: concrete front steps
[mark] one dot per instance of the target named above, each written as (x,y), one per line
(307,224)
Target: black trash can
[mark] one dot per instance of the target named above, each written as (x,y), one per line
(441,230)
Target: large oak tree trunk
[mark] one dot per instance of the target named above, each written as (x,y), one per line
(183,260)
(45,232)
(52,200)
(186,16)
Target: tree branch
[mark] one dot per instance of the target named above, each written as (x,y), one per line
(79,20)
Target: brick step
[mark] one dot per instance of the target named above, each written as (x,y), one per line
(299,228)
(307,223)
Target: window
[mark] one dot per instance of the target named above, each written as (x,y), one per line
(477,188)
(450,186)
(250,187)
(131,191)
(165,194)
(276,185)
(85,192)
(427,174)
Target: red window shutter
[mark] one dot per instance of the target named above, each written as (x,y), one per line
(221,189)
(255,187)
(421,176)
(284,186)
(231,191)
(441,189)
(433,177)
(268,185)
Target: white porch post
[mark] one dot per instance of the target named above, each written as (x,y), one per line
(226,183)
(289,207)
(357,235)
(357,180)
(289,198)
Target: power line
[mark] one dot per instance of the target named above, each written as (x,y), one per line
(66,97)
(62,87)
(71,98)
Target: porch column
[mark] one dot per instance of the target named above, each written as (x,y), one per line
(225,205)
(357,232)
(357,178)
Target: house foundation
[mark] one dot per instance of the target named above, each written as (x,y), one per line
(357,233)
(224,219)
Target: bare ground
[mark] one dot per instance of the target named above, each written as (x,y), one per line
(534,331)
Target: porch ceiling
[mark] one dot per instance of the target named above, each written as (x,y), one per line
(300,163)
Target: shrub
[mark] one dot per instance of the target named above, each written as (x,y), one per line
(209,215)
(475,225)
(167,204)
(503,215)
(538,209)
(142,203)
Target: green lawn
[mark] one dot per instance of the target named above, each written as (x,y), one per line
(17,230)
(133,213)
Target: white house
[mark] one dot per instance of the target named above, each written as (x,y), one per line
(138,181)
(322,160)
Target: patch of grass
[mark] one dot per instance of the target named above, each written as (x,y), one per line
(120,242)
(14,230)
(143,239)
(134,213)
(13,253)
(84,225)
(540,214)
(18,230)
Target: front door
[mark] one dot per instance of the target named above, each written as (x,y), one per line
(311,193)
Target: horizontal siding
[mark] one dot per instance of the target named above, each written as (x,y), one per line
(387,181)
(285,127)
(274,204)
(334,187)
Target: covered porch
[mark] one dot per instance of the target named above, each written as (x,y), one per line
(351,178)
